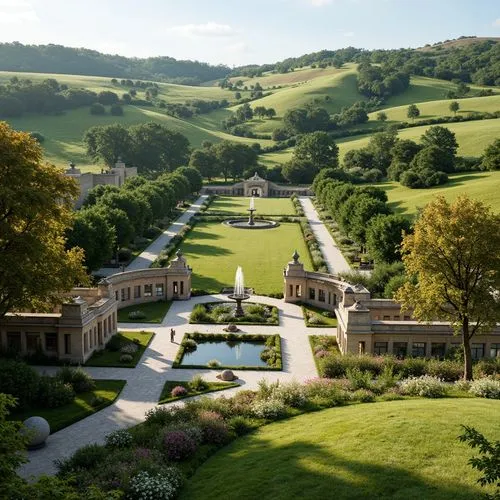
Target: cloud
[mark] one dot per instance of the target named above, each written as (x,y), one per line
(17,12)
(206,30)
(496,23)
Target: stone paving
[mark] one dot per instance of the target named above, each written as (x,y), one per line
(146,380)
(331,253)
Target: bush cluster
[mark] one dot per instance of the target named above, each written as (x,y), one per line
(222,312)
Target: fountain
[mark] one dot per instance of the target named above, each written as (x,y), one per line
(239,293)
(251,223)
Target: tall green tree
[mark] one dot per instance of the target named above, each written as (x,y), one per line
(205,161)
(108,143)
(454,107)
(319,148)
(36,205)
(454,256)
(442,138)
(491,157)
(384,235)
(413,112)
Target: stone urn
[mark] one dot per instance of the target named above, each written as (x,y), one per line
(228,376)
(38,429)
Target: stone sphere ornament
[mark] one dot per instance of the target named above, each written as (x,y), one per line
(38,429)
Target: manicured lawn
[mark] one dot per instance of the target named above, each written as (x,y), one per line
(110,358)
(315,312)
(211,387)
(405,450)
(264,206)
(81,407)
(154,311)
(483,186)
(214,251)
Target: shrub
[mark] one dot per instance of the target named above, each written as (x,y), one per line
(270,409)
(178,391)
(291,394)
(86,457)
(179,445)
(53,393)
(78,378)
(191,430)
(199,314)
(160,486)
(116,110)
(214,363)
(97,109)
(114,344)
(358,379)
(126,358)
(162,415)
(331,367)
(412,367)
(387,379)
(189,345)
(449,371)
(487,367)
(462,385)
(197,383)
(213,427)
(129,348)
(96,401)
(136,315)
(19,380)
(364,396)
(119,439)
(124,254)
(240,425)
(485,388)
(424,386)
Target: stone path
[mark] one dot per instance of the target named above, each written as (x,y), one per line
(145,382)
(333,256)
(151,253)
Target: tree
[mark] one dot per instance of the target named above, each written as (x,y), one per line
(237,95)
(299,171)
(97,109)
(36,204)
(358,158)
(319,148)
(193,176)
(413,112)
(234,158)
(260,111)
(454,107)
(270,113)
(116,110)
(244,113)
(454,254)
(441,137)
(107,97)
(108,144)
(432,158)
(205,162)
(384,235)
(380,146)
(381,116)
(491,157)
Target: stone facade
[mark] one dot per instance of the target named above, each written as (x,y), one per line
(259,187)
(376,326)
(88,319)
(115,176)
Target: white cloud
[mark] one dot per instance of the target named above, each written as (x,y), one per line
(17,12)
(496,23)
(204,30)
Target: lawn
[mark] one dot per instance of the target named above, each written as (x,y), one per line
(239,205)
(154,312)
(399,449)
(111,358)
(322,320)
(483,186)
(81,407)
(214,251)
(166,396)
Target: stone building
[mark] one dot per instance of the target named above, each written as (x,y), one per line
(115,176)
(376,326)
(88,319)
(258,187)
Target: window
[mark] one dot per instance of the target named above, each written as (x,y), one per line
(137,291)
(85,343)
(291,290)
(334,299)
(51,342)
(148,290)
(477,351)
(116,295)
(312,293)
(176,287)
(67,343)
(400,349)
(159,289)
(495,351)
(182,287)
(418,349)
(438,349)
(33,342)
(14,341)
(123,294)
(380,348)
(128,293)
(361,347)
(298,291)
(386,317)
(329,297)
(321,295)
(396,318)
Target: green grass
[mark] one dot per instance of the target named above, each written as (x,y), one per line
(109,358)
(81,407)
(214,251)
(483,186)
(309,311)
(154,311)
(239,205)
(401,450)
(211,387)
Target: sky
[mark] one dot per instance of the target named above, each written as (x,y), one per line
(237,32)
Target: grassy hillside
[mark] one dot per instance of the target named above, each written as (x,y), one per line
(483,186)
(399,450)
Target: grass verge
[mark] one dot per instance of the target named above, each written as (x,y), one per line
(152,312)
(315,317)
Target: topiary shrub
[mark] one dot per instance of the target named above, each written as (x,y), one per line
(178,445)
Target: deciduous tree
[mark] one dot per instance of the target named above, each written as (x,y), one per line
(413,112)
(454,254)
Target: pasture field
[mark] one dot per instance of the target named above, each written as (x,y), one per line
(239,205)
(398,449)
(483,186)
(215,251)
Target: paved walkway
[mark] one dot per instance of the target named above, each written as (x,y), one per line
(333,256)
(145,382)
(151,253)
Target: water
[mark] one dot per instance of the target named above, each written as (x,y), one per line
(239,283)
(252,203)
(228,353)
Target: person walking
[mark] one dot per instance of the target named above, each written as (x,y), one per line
(172,335)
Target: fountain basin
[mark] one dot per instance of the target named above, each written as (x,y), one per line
(257,224)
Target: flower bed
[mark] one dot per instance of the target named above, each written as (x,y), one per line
(315,317)
(174,390)
(223,312)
